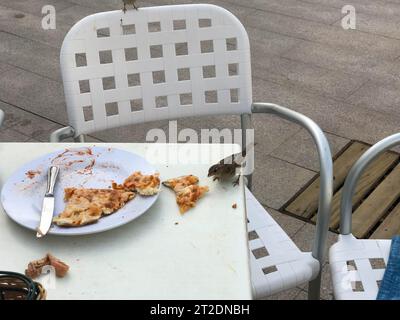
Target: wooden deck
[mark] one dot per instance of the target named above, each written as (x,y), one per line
(376,202)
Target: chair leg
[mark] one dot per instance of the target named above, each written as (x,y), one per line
(314,288)
(80,138)
(1,117)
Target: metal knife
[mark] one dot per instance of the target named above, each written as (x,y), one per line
(48,203)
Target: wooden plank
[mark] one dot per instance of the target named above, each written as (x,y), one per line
(373,173)
(306,204)
(376,205)
(390,226)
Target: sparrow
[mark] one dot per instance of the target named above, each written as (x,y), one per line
(225,169)
(132,2)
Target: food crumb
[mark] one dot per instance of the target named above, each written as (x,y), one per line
(35,267)
(176,223)
(234,206)
(32,173)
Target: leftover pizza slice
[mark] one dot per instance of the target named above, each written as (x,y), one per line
(181,182)
(86,206)
(145,185)
(187,191)
(187,197)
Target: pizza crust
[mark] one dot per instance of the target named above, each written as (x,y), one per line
(85,206)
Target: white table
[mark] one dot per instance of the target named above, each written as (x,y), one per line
(204,256)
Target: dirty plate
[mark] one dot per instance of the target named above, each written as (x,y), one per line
(95,167)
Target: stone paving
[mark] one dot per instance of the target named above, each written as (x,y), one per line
(346,80)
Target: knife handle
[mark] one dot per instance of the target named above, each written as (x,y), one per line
(51,180)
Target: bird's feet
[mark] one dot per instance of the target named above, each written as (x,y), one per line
(124,8)
(236,182)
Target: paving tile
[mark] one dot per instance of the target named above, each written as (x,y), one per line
(34,93)
(30,27)
(379,25)
(243,13)
(10,135)
(81,9)
(337,58)
(300,149)
(269,131)
(332,116)
(290,225)
(326,291)
(104,5)
(74,13)
(382,97)
(304,238)
(26,123)
(294,8)
(332,83)
(302,295)
(276,181)
(264,44)
(236,7)
(326,283)
(45,136)
(18,52)
(131,133)
(352,41)
(388,9)
(361,65)
(284,295)
(35,6)
(4,67)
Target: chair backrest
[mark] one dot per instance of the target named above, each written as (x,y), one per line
(155,63)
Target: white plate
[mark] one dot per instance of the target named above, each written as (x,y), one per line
(94,167)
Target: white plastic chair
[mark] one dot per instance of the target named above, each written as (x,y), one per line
(354,263)
(178,44)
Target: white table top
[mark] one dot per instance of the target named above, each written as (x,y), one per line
(204,256)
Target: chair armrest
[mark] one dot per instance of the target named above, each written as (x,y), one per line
(354,175)
(61,134)
(326,169)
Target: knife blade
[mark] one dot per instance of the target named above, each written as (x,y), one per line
(48,203)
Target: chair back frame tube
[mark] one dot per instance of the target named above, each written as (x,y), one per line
(326,184)
(346,205)
(245,123)
(1,117)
